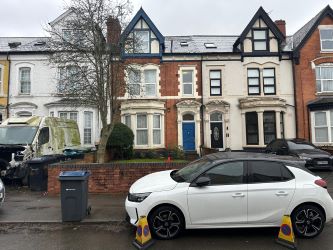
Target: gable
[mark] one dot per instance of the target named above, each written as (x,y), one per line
(261,35)
(141,37)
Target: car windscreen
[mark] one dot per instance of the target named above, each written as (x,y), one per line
(17,135)
(191,171)
(299,145)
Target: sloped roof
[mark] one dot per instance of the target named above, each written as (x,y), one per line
(300,37)
(142,14)
(196,44)
(24,44)
(261,13)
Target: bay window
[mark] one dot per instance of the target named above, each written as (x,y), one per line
(157,129)
(87,131)
(269,126)
(252,136)
(322,126)
(141,129)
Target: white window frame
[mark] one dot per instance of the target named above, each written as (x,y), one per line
(127,116)
(157,129)
(90,127)
(328,126)
(321,40)
(183,83)
(20,69)
(69,114)
(142,83)
(141,129)
(319,67)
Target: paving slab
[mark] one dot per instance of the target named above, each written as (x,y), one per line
(24,206)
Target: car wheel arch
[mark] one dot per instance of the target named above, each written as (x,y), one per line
(171,205)
(309,203)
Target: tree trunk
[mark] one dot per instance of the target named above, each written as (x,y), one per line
(105,134)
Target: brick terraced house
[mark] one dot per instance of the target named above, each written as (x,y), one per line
(222,92)
(313,67)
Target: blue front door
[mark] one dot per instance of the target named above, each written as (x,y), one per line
(188,136)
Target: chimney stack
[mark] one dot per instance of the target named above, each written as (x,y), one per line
(113,31)
(281,24)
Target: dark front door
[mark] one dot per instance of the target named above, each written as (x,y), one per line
(216,136)
(188,136)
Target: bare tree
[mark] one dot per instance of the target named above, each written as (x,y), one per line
(91,71)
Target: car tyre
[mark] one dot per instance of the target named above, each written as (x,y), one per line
(166,222)
(308,221)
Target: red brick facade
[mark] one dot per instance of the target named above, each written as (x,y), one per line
(108,178)
(305,78)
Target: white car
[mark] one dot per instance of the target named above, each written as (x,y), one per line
(2,192)
(229,190)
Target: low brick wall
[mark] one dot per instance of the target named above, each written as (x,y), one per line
(109,177)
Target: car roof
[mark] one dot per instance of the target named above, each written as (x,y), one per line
(225,156)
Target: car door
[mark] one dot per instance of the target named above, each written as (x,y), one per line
(271,187)
(224,200)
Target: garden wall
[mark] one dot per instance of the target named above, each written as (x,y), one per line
(108,177)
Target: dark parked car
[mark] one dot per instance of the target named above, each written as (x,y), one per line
(315,158)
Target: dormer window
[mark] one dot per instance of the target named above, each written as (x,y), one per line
(141,41)
(326,39)
(260,39)
(183,44)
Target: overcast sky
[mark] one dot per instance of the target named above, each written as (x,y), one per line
(172,17)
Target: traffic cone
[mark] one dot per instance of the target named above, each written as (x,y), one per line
(143,238)
(286,234)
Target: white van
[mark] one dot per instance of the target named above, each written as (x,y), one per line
(24,138)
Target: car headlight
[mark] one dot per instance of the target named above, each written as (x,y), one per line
(137,197)
(305,158)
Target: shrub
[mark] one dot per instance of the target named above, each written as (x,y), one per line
(121,142)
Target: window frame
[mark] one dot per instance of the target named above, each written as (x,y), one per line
(270,133)
(183,84)
(215,87)
(68,115)
(260,40)
(90,128)
(246,129)
(319,67)
(20,69)
(251,86)
(159,129)
(135,51)
(142,83)
(268,77)
(321,40)
(141,129)
(328,125)
(145,83)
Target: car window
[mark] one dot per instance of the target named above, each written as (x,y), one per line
(226,173)
(267,171)
(300,145)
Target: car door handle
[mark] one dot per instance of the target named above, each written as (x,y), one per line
(281,193)
(238,195)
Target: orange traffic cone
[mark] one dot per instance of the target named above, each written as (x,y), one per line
(143,238)
(286,234)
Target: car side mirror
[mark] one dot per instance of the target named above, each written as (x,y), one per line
(202,181)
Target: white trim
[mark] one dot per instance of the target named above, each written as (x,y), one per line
(194,81)
(328,126)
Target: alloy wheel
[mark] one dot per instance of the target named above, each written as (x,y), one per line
(308,222)
(166,224)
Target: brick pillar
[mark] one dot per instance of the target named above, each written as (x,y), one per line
(281,24)
(113,31)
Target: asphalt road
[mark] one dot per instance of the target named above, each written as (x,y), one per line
(120,236)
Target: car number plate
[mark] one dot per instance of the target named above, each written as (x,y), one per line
(322,162)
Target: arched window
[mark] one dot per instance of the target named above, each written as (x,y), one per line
(188,117)
(216,117)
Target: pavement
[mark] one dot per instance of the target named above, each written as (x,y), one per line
(24,206)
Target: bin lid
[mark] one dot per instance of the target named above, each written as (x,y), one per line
(74,175)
